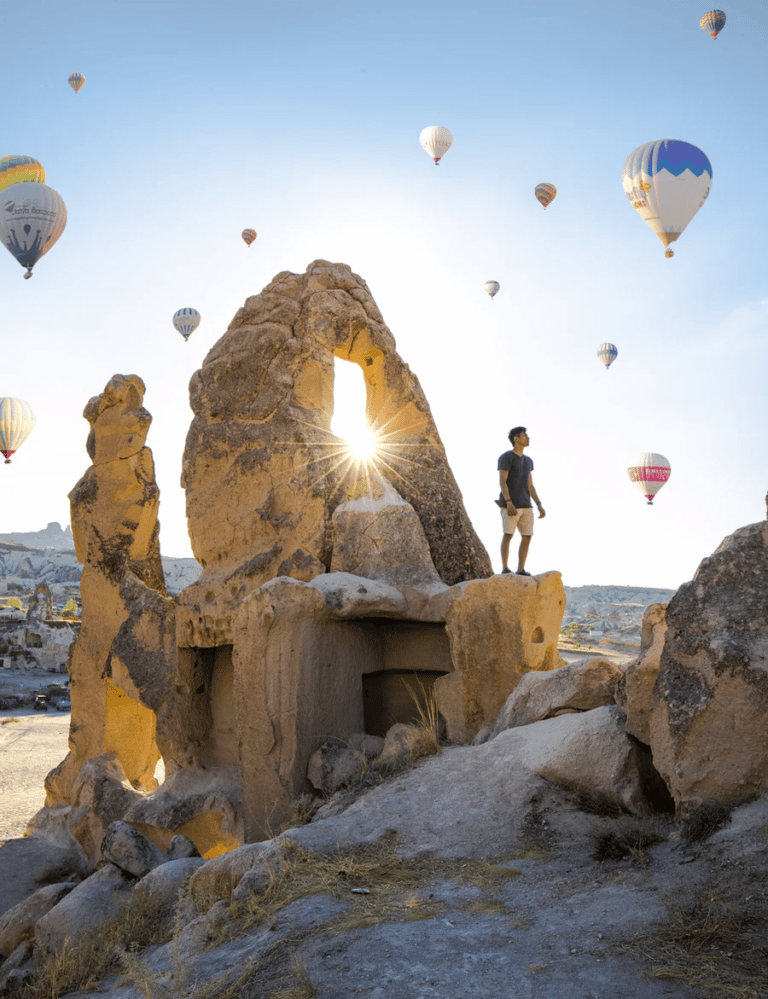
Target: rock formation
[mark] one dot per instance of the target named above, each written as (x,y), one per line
(708,731)
(264,473)
(336,597)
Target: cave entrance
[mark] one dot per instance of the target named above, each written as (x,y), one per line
(412,655)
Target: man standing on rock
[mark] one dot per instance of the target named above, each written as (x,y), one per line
(517,489)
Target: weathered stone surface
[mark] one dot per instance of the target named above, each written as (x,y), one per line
(18,923)
(101,796)
(82,912)
(379,536)
(399,740)
(498,630)
(263,402)
(634,690)
(127,849)
(180,848)
(227,870)
(334,765)
(474,801)
(28,863)
(708,732)
(164,885)
(571,687)
(370,745)
(17,970)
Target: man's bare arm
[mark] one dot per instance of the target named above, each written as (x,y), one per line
(534,496)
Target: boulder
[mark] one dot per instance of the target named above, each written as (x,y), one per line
(164,886)
(17,970)
(18,924)
(634,691)
(101,796)
(127,849)
(180,848)
(29,863)
(83,911)
(708,732)
(334,765)
(570,688)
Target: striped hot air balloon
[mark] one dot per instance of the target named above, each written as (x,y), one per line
(436,140)
(32,217)
(19,170)
(248,235)
(607,353)
(76,81)
(17,421)
(667,182)
(492,287)
(545,193)
(649,472)
(186,321)
(713,22)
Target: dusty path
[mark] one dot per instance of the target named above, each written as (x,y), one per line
(32,743)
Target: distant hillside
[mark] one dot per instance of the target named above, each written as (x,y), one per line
(22,567)
(52,537)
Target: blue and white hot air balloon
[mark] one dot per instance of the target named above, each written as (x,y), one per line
(186,321)
(607,353)
(667,182)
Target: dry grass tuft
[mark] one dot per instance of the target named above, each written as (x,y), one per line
(701,822)
(77,967)
(710,944)
(628,839)
(8,721)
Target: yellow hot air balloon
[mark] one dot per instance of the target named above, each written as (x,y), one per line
(76,80)
(19,170)
(17,421)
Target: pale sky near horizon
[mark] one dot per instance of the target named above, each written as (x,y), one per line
(302,121)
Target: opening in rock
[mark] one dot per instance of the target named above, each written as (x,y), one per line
(349,418)
(537,637)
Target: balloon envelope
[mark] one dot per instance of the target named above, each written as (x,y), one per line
(649,472)
(545,193)
(17,422)
(713,22)
(607,353)
(75,80)
(492,287)
(32,217)
(436,140)
(186,321)
(20,169)
(667,182)
(248,235)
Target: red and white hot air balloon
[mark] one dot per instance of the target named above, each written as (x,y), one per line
(436,140)
(649,472)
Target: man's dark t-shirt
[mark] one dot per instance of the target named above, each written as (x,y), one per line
(519,468)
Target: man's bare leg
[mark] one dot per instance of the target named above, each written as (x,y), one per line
(522,555)
(505,540)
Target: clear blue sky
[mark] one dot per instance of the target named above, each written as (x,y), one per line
(302,120)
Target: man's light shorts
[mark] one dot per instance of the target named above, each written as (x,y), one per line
(522,520)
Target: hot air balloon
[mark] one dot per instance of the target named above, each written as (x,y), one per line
(713,22)
(607,353)
(545,193)
(17,421)
(32,217)
(667,181)
(492,287)
(649,472)
(248,235)
(76,80)
(437,141)
(186,321)
(20,169)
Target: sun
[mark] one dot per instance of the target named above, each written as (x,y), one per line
(362,444)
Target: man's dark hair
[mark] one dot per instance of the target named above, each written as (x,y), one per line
(515,432)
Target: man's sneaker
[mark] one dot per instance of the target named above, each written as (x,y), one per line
(522,572)
(505,569)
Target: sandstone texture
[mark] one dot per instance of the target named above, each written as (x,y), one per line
(571,688)
(708,730)
(264,473)
(634,690)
